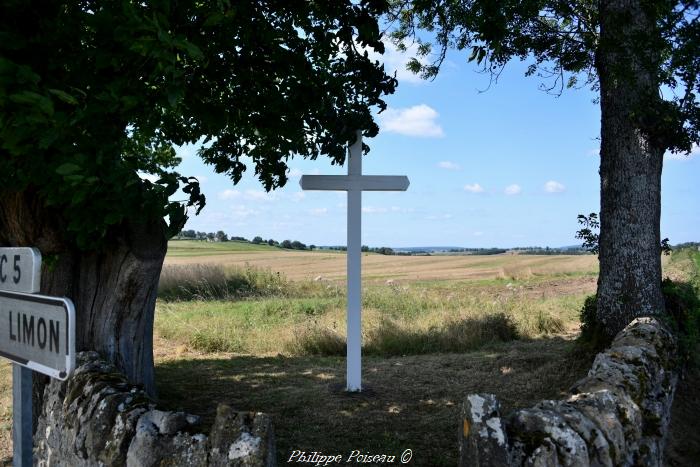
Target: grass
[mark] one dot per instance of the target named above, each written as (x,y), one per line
(249,311)
(409,402)
(194,248)
(209,282)
(434,329)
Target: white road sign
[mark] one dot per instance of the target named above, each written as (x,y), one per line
(20,269)
(38,332)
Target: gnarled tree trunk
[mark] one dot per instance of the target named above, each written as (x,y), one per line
(114,289)
(631,161)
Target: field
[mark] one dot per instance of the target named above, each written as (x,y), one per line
(262,329)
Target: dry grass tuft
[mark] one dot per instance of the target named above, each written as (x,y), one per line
(212,282)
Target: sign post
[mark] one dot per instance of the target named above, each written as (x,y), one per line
(354,183)
(37,333)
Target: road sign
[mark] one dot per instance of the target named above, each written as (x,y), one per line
(38,332)
(20,269)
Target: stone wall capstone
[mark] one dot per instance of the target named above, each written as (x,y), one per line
(618,415)
(97,418)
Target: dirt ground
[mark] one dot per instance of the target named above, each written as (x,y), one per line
(408,403)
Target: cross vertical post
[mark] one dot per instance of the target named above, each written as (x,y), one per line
(354,183)
(354,274)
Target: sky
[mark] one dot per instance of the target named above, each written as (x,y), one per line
(500,166)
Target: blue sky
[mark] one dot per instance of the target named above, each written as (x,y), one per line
(511,166)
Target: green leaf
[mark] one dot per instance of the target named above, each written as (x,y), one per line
(67,169)
(64,96)
(32,98)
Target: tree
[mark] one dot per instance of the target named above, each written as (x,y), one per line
(221,236)
(189,234)
(257,240)
(95,94)
(643,57)
(286,244)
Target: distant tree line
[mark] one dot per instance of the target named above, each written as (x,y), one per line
(384,250)
(479,251)
(538,250)
(221,236)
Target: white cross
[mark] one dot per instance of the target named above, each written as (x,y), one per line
(354,183)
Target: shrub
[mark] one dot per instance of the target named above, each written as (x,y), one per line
(593,338)
(682,304)
(683,307)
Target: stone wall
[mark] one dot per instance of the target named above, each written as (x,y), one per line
(618,415)
(98,418)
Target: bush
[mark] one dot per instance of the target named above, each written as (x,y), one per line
(683,307)
(593,338)
(682,310)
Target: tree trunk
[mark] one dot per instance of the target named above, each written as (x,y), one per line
(113,289)
(629,284)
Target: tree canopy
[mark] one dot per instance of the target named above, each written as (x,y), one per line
(94,93)
(562,40)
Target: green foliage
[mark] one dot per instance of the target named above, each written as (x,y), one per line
(591,238)
(593,337)
(92,94)
(588,232)
(682,300)
(562,40)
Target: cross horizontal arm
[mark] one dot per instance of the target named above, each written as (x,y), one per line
(354,182)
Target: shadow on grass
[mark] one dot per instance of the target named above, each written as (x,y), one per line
(410,402)
(391,338)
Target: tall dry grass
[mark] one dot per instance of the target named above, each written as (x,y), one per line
(263,313)
(214,282)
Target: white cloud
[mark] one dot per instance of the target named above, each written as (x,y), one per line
(298,196)
(474,188)
(240,212)
(418,121)
(478,234)
(554,187)
(513,189)
(400,209)
(374,210)
(229,194)
(395,61)
(294,174)
(249,195)
(694,152)
(318,212)
(447,165)
(436,217)
(150,177)
(255,195)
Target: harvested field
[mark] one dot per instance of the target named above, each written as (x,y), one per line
(303,265)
